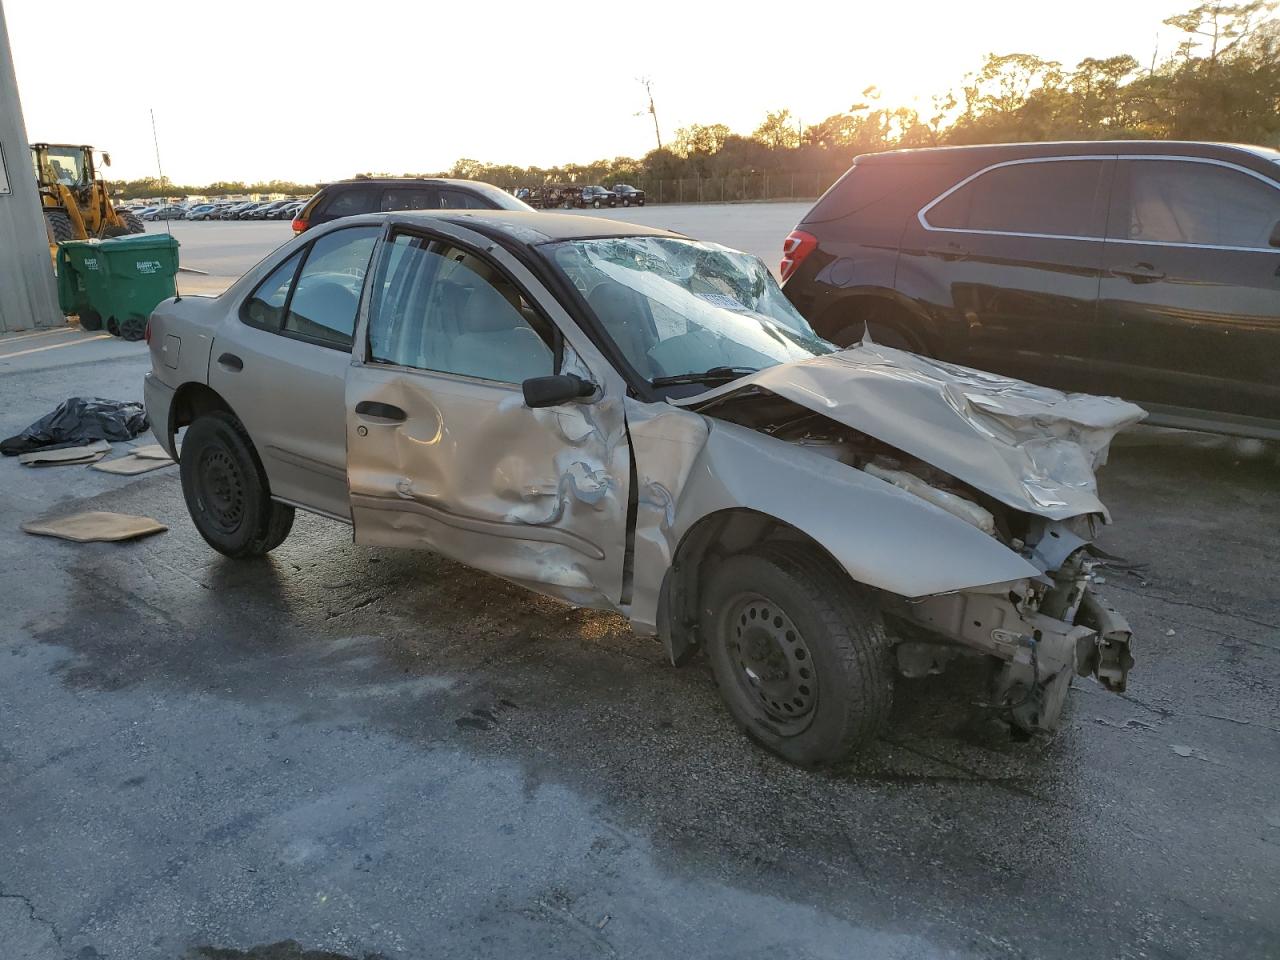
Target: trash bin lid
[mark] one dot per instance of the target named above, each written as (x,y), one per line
(138,241)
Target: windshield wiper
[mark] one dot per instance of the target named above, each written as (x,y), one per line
(714,375)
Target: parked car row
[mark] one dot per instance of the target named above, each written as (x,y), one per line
(285,209)
(569,196)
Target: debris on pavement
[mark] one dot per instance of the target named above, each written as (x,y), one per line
(133,464)
(1185,751)
(78,420)
(95,526)
(64,456)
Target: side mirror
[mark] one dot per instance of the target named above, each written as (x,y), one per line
(106,159)
(1275,235)
(553,391)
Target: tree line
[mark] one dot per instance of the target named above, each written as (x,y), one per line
(1221,82)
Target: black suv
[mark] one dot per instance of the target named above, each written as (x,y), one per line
(628,194)
(1148,270)
(347,198)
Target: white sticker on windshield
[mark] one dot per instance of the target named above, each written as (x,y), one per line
(722,300)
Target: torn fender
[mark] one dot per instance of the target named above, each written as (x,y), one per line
(1033,448)
(883,536)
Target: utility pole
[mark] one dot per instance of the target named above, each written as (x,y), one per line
(648,89)
(27,295)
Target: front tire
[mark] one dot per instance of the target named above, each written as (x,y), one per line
(799,653)
(59,226)
(226,489)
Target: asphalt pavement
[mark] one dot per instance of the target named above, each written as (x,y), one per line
(377,753)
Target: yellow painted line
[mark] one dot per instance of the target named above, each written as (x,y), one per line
(54,346)
(39,333)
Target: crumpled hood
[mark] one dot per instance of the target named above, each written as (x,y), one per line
(1033,448)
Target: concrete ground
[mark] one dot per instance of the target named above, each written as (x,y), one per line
(223,250)
(339,752)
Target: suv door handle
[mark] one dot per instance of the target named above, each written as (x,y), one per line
(382,412)
(229,361)
(1139,273)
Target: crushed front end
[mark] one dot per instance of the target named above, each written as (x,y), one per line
(1041,631)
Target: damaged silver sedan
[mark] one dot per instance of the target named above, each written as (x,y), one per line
(628,419)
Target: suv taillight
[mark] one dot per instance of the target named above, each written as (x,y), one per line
(299,225)
(795,248)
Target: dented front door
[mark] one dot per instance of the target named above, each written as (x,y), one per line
(441,450)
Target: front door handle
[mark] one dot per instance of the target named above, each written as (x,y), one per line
(949,251)
(381,412)
(1139,273)
(229,361)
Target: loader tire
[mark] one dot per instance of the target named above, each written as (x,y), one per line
(59,226)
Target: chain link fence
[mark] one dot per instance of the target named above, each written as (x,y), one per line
(738,189)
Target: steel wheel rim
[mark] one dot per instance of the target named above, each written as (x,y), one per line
(221,489)
(772,663)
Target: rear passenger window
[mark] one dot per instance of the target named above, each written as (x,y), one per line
(1179,201)
(443,308)
(352,201)
(326,296)
(1052,197)
(265,307)
(413,199)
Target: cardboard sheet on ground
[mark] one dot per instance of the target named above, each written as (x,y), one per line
(152,451)
(131,465)
(95,525)
(85,453)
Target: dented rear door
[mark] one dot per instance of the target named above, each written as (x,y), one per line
(441,450)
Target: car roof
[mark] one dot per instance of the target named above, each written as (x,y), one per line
(408,181)
(995,152)
(534,227)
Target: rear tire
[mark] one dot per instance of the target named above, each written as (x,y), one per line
(596,204)
(90,320)
(799,653)
(226,489)
(882,334)
(59,226)
(132,222)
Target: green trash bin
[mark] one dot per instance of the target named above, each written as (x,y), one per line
(117,283)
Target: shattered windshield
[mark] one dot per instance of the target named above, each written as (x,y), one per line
(684,310)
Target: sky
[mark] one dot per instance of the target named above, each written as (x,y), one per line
(315,91)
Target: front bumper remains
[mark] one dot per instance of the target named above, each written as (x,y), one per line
(1038,652)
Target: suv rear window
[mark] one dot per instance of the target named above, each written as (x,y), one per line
(1046,198)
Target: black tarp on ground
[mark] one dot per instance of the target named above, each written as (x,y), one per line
(79,420)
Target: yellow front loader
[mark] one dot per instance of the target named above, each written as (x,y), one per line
(76,203)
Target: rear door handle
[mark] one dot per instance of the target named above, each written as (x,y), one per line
(229,361)
(1139,273)
(381,412)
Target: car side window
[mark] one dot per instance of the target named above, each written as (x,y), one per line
(461,200)
(351,201)
(415,198)
(1047,198)
(440,307)
(323,305)
(265,306)
(1179,201)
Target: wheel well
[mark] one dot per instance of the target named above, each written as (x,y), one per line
(842,324)
(707,543)
(191,401)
